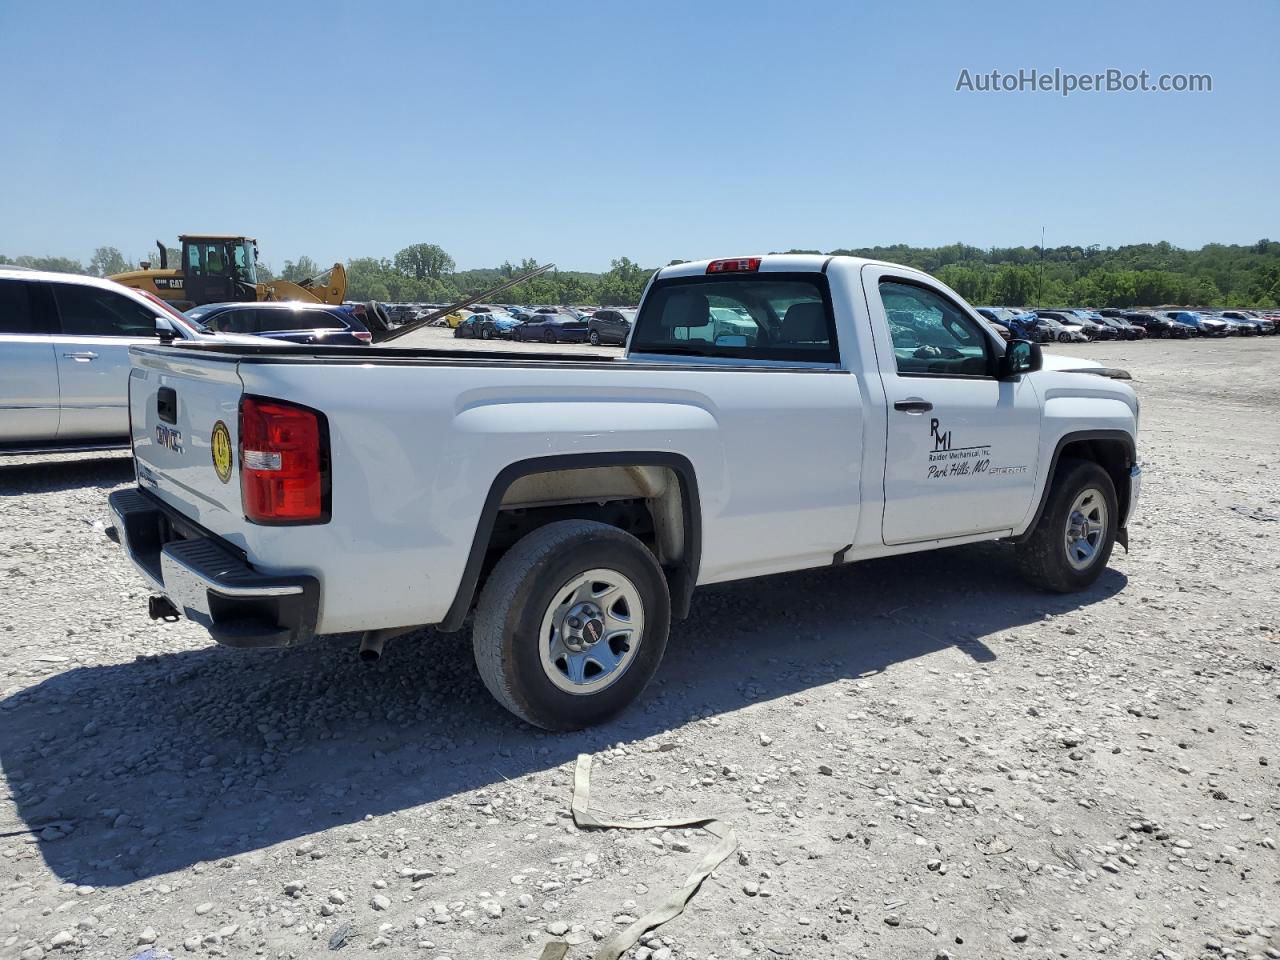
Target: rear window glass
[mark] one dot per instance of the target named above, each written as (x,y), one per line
(769,316)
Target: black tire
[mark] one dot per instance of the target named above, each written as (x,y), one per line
(549,336)
(522,587)
(486,333)
(594,337)
(1042,557)
(1064,337)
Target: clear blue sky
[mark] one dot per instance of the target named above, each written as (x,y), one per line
(581,131)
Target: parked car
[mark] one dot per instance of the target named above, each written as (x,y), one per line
(1254,327)
(1093,324)
(1124,329)
(488,326)
(608,326)
(1265,326)
(1201,324)
(551,328)
(286,320)
(1235,328)
(64,357)
(1157,326)
(1021,324)
(1071,323)
(578,508)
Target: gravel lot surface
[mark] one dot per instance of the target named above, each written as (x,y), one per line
(922,757)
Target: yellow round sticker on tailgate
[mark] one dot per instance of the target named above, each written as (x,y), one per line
(221,446)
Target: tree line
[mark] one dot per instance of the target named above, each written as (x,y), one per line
(1144,274)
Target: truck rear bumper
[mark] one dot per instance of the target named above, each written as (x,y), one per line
(208,582)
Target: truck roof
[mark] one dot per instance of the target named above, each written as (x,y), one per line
(782,263)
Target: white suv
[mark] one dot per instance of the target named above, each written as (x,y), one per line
(64,358)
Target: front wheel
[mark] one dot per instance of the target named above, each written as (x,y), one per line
(572,624)
(1071,543)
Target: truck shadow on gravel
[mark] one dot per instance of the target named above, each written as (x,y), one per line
(105,471)
(127,771)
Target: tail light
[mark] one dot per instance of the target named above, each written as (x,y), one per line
(738,265)
(284,462)
(364,336)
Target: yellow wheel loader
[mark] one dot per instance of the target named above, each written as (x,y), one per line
(219,269)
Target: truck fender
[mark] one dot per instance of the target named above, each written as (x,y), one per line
(1079,436)
(681,580)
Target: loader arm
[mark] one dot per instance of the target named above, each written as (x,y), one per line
(328,287)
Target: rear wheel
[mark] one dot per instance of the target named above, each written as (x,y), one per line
(486,333)
(1064,337)
(594,338)
(572,624)
(1071,543)
(549,336)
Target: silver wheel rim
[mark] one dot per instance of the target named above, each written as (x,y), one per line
(591,631)
(1086,528)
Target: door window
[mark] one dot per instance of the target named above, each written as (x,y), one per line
(932,336)
(16,314)
(207,259)
(93,312)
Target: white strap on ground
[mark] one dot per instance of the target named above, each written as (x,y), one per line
(673,904)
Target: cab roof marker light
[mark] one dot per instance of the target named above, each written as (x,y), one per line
(735,265)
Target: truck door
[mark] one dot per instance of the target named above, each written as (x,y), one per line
(962,446)
(28,371)
(208,272)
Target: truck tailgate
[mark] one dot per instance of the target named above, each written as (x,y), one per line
(183,411)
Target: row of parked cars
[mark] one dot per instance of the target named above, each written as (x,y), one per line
(546,324)
(1077,325)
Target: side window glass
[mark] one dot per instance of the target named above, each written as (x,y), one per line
(932,335)
(240,321)
(16,314)
(92,312)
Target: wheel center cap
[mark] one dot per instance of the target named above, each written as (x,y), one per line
(583,627)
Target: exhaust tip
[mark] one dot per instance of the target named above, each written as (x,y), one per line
(371,646)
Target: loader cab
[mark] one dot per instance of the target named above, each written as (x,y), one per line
(219,269)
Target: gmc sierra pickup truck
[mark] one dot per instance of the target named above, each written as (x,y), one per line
(770,414)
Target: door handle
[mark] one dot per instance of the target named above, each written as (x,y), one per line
(913,406)
(83,356)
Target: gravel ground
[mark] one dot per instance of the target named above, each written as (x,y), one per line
(922,758)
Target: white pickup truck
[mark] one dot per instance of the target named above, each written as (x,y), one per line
(770,414)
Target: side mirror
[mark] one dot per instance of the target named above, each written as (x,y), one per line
(1020,356)
(165,330)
